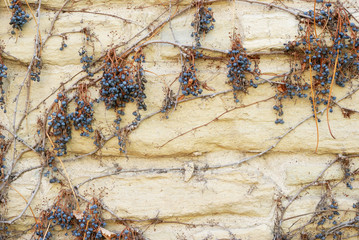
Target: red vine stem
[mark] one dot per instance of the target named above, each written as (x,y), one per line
(24,200)
(33,15)
(87,224)
(314,105)
(332,83)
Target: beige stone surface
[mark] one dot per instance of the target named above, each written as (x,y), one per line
(181,180)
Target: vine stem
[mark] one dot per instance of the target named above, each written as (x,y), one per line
(67,175)
(332,83)
(306,187)
(53,23)
(220,115)
(7,4)
(28,202)
(313,100)
(47,229)
(312,93)
(315,29)
(33,15)
(330,92)
(87,224)
(32,212)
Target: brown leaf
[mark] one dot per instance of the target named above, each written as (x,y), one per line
(181,97)
(190,82)
(282,88)
(208,88)
(347,112)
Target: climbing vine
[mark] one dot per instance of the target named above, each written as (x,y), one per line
(328,46)
(3,76)
(326,51)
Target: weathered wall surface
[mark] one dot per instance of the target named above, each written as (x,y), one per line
(196,185)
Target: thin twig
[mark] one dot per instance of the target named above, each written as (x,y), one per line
(28,203)
(53,23)
(215,119)
(32,212)
(67,175)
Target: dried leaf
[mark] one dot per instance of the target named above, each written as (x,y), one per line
(189,170)
(107,234)
(347,112)
(78,214)
(181,97)
(282,88)
(190,82)
(208,88)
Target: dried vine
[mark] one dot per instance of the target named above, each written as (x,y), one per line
(120,78)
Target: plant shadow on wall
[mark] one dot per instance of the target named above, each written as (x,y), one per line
(325,54)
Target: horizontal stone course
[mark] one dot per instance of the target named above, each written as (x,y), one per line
(184,169)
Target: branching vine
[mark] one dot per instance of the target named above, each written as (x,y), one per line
(119,76)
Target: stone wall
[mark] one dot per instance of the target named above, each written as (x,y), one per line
(214,169)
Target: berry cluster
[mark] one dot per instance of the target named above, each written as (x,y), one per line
(123,83)
(188,79)
(348,174)
(52,164)
(3,72)
(331,222)
(122,136)
(239,66)
(86,225)
(197,54)
(349,178)
(61,214)
(63,45)
(203,21)
(19,16)
(329,219)
(327,62)
(326,16)
(59,124)
(89,223)
(128,234)
(3,229)
(3,75)
(86,60)
(356,207)
(36,70)
(83,116)
(292,86)
(2,99)
(168,102)
(3,148)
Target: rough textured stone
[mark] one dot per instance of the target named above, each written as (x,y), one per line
(179,180)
